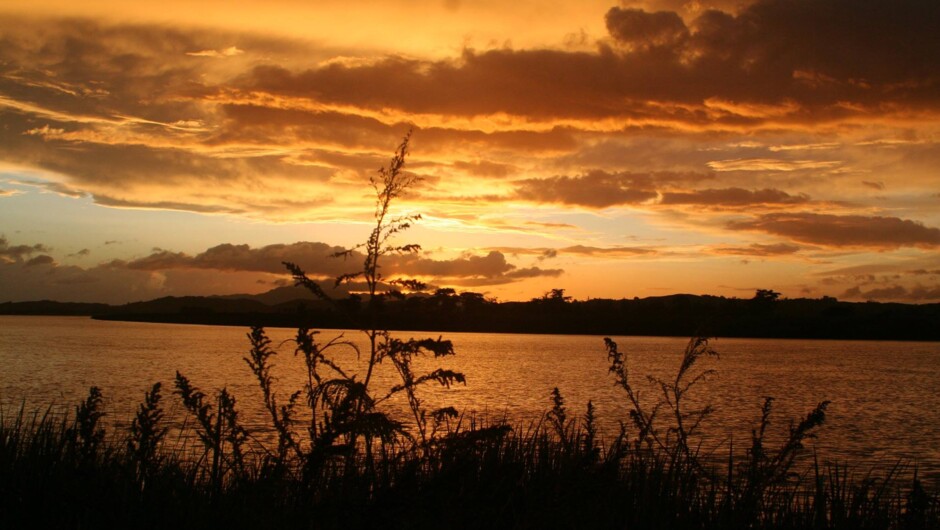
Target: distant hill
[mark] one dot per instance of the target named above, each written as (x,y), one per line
(674,315)
(48,307)
(276,296)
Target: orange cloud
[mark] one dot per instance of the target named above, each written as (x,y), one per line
(582,250)
(600,189)
(759,249)
(734,197)
(844,230)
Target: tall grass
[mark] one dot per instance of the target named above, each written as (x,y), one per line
(473,474)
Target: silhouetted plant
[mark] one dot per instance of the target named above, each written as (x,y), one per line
(147,435)
(558,416)
(590,432)
(752,490)
(684,423)
(282,416)
(350,412)
(220,432)
(87,434)
(766,471)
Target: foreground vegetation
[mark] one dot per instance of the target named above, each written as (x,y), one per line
(60,472)
(334,456)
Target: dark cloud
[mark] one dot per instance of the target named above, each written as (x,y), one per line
(607,251)
(514,276)
(42,259)
(492,265)
(573,191)
(874,185)
(844,230)
(640,29)
(105,200)
(733,197)
(759,249)
(921,272)
(818,54)
(600,189)
(18,252)
(229,257)
(317,261)
(114,283)
(485,168)
(917,293)
(861,42)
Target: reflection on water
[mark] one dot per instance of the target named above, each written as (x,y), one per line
(885,404)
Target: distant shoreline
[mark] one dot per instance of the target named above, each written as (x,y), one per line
(668,316)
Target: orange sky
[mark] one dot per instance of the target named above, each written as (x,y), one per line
(614,150)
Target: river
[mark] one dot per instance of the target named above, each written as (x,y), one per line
(885,396)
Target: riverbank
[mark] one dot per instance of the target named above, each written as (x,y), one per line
(671,316)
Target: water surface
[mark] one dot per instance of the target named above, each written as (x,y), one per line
(885,400)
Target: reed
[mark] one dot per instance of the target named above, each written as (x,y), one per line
(478,473)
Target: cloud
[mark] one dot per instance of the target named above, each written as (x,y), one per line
(513,276)
(317,261)
(231,269)
(643,30)
(759,249)
(607,251)
(113,283)
(590,192)
(799,55)
(844,230)
(491,265)
(541,224)
(51,186)
(485,168)
(674,109)
(18,252)
(42,259)
(579,250)
(136,116)
(45,131)
(229,257)
(770,164)
(231,51)
(9,193)
(917,293)
(600,189)
(920,272)
(734,197)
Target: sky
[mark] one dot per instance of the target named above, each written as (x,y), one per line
(625,150)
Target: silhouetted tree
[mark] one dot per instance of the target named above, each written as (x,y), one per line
(766,295)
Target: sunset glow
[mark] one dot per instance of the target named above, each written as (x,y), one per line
(613,150)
